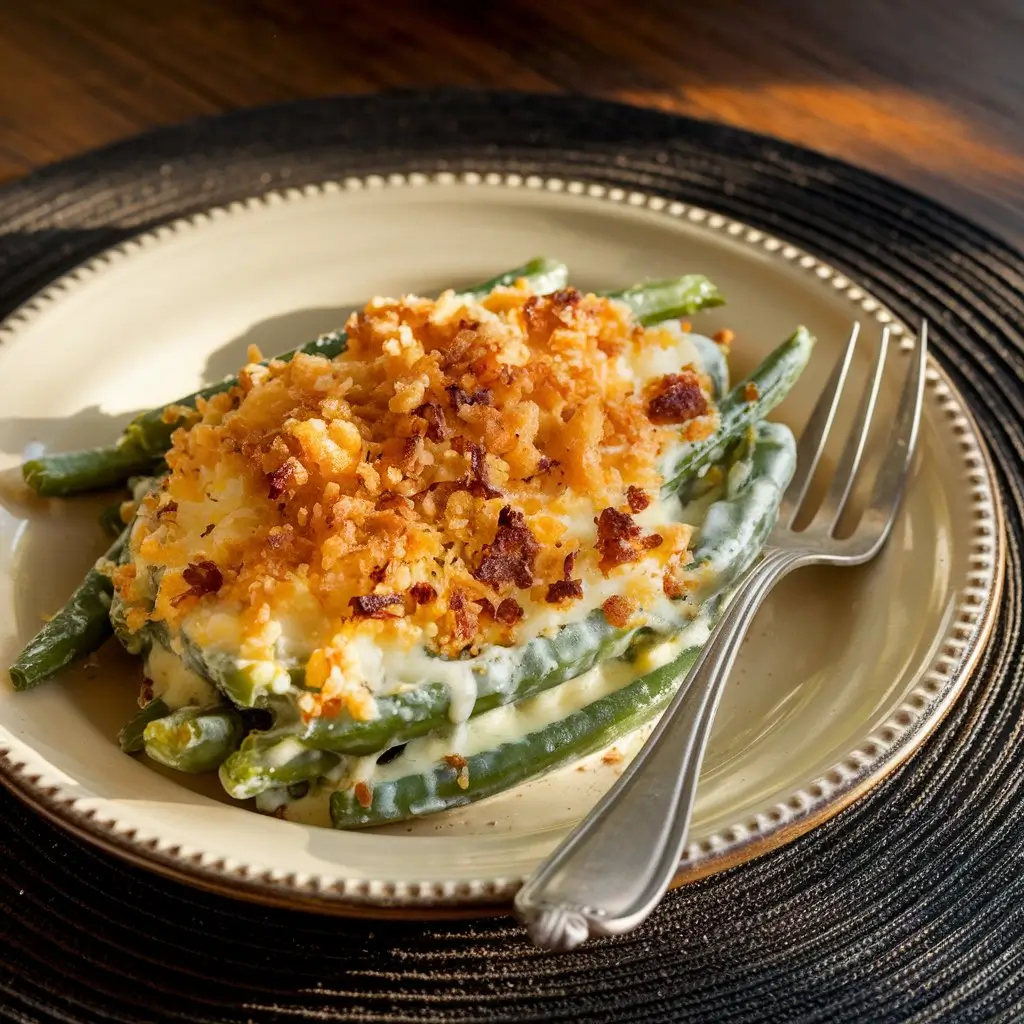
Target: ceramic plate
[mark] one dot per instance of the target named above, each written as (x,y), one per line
(844,675)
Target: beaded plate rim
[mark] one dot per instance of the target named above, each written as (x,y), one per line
(882,751)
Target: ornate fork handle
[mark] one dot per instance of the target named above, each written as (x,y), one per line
(609,874)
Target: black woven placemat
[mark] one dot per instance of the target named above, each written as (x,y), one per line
(908,906)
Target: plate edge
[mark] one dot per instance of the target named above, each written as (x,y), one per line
(863,768)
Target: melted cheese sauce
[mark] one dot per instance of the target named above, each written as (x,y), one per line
(492,729)
(174,683)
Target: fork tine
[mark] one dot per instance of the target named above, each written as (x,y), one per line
(853,451)
(815,434)
(895,469)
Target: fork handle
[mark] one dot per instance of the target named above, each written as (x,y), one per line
(612,871)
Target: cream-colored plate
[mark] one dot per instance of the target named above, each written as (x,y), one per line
(845,673)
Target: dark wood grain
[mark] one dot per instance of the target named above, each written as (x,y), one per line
(927,93)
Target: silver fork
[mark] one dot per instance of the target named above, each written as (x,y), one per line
(612,871)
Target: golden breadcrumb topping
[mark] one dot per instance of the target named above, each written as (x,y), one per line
(461,464)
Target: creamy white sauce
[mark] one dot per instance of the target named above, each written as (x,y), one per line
(485,732)
(174,683)
(513,721)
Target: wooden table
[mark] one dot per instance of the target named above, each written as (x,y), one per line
(927,93)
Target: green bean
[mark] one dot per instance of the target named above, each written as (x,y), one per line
(194,739)
(734,528)
(398,793)
(499,676)
(504,676)
(748,402)
(130,737)
(664,300)
(78,629)
(257,766)
(92,469)
(713,363)
(148,436)
(543,274)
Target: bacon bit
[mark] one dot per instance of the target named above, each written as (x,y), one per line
(564,302)
(724,336)
(455,761)
(373,606)
(509,612)
(565,589)
(209,529)
(146,692)
(363,795)
(638,498)
(510,557)
(477,483)
(569,564)
(459,397)
(437,425)
(751,392)
(286,477)
(379,573)
(202,578)
(685,326)
(467,617)
(618,610)
(165,510)
(678,398)
(422,593)
(620,540)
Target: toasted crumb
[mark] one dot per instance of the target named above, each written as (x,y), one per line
(618,610)
(613,756)
(724,337)
(421,489)
(456,761)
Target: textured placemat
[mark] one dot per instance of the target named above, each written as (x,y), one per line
(908,906)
